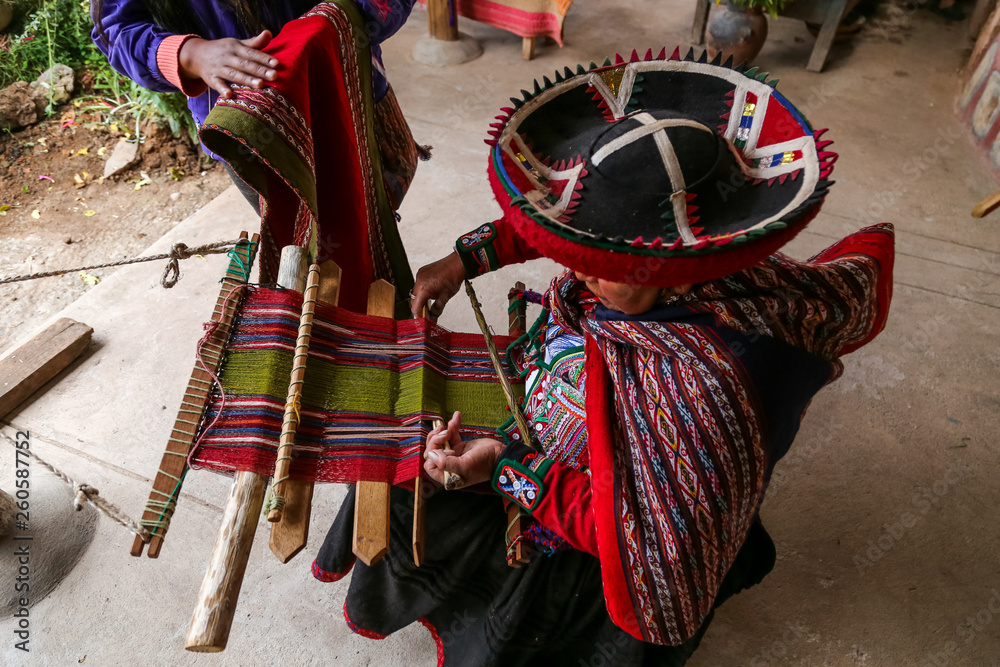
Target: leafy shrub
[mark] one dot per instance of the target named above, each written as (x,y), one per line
(46,32)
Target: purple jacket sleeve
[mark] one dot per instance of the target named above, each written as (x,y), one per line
(131,43)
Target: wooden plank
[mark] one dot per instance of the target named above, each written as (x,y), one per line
(167,483)
(442,20)
(290,535)
(826,34)
(26,369)
(528,48)
(220,589)
(371,509)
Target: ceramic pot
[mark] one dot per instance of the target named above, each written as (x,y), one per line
(6,14)
(738,32)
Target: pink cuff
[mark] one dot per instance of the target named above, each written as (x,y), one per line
(168,60)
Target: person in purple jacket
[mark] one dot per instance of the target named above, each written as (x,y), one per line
(201,48)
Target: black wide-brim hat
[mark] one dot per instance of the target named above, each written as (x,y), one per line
(657,171)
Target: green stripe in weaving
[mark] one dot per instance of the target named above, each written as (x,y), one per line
(283,158)
(330,387)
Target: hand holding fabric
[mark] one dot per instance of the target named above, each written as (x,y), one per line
(473,460)
(222,62)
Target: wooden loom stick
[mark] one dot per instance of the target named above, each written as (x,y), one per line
(987,205)
(290,423)
(167,484)
(517,324)
(26,369)
(371,504)
(220,589)
(290,535)
(418,500)
(508,392)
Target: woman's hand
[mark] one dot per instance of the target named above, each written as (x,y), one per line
(221,62)
(474,460)
(438,281)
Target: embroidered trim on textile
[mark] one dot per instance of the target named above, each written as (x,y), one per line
(437,639)
(477,252)
(330,577)
(358,630)
(520,475)
(555,398)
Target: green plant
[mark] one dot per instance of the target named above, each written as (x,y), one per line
(54,31)
(772,7)
(123,101)
(46,32)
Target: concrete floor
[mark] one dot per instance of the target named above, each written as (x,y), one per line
(884,512)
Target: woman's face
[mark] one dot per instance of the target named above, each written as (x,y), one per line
(625,298)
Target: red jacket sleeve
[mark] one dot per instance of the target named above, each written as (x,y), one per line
(566,507)
(491,246)
(555,494)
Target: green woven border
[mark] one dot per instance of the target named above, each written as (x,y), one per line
(365,389)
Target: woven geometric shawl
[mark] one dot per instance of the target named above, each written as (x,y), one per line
(312,153)
(677,440)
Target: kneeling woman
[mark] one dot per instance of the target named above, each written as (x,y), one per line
(674,360)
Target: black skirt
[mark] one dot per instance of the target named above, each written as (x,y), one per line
(483,612)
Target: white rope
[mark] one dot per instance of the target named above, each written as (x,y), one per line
(84,493)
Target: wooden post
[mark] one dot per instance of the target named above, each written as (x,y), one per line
(442,20)
(528,48)
(26,369)
(220,589)
(290,535)
(371,506)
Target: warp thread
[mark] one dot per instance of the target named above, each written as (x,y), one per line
(84,493)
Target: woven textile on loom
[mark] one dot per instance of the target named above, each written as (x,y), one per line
(371,386)
(526,18)
(317,153)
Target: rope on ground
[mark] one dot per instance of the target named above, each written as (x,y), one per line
(171,274)
(82,493)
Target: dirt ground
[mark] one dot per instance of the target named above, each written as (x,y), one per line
(56,210)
